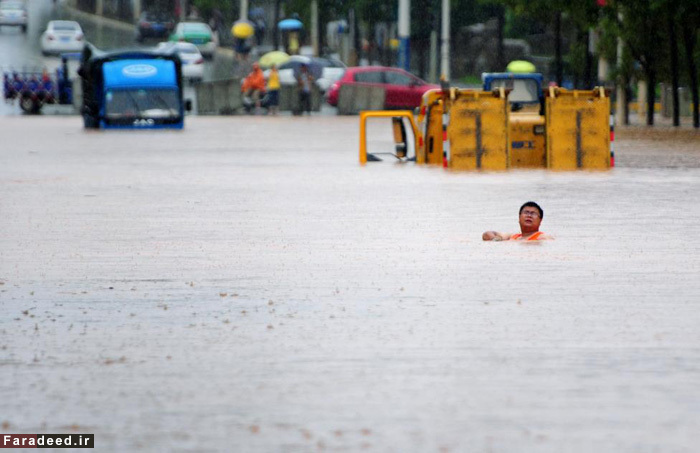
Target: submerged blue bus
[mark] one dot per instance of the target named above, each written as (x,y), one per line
(132,89)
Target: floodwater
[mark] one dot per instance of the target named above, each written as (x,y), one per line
(245,285)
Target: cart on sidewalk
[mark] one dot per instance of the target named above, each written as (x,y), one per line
(33,89)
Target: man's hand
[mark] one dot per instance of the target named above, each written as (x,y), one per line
(493,236)
(489,236)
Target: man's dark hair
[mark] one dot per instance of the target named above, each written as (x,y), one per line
(532,204)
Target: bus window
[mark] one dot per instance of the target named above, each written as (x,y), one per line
(139,103)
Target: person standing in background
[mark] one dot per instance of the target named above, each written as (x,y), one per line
(254,86)
(293,47)
(304,80)
(273,90)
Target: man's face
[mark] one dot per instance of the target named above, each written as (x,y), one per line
(529,219)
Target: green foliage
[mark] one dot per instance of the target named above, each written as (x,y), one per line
(229,8)
(471,80)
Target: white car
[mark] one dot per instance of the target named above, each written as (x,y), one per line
(62,36)
(14,13)
(324,70)
(191,57)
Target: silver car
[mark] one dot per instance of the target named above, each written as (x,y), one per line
(13,13)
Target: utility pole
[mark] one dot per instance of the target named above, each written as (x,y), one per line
(275,32)
(445,45)
(621,111)
(136,9)
(433,77)
(244,10)
(183,10)
(314,27)
(405,34)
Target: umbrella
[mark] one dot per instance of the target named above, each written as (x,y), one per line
(520,66)
(315,66)
(242,29)
(290,24)
(276,57)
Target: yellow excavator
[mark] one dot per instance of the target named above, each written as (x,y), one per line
(512,122)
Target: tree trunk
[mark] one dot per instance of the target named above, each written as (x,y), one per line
(689,36)
(626,107)
(422,57)
(321,30)
(275,32)
(674,60)
(651,92)
(557,49)
(356,44)
(501,52)
(585,39)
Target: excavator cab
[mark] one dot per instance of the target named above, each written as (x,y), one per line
(527,121)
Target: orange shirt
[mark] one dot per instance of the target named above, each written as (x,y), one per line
(255,81)
(534,237)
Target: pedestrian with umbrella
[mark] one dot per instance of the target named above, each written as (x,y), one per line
(242,30)
(275,57)
(292,26)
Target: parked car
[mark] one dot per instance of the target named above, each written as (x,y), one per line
(62,36)
(191,57)
(154,24)
(13,13)
(325,70)
(197,33)
(403,89)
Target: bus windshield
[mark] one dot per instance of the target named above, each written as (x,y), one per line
(140,103)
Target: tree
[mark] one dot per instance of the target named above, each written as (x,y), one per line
(671,18)
(551,11)
(641,29)
(689,10)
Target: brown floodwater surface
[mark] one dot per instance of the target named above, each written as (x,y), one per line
(245,285)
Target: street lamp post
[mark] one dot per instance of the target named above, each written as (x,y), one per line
(244,10)
(404,34)
(445,48)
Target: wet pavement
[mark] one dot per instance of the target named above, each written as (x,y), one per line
(244,285)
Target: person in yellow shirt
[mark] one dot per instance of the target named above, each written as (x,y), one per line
(293,47)
(273,90)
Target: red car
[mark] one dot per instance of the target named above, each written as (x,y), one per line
(403,89)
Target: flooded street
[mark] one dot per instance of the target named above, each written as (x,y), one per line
(245,285)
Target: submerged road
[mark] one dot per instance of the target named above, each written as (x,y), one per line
(244,285)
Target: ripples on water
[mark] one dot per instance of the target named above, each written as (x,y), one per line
(280,290)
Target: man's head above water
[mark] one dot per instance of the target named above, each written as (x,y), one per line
(529,217)
(532,204)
